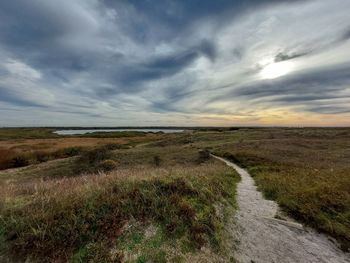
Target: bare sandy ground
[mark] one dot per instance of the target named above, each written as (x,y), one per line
(263,238)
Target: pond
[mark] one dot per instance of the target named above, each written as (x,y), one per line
(85,131)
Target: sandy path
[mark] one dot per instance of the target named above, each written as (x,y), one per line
(262,238)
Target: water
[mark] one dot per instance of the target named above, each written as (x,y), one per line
(79,132)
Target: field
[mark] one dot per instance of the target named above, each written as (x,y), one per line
(307,171)
(144,202)
(22,147)
(160,197)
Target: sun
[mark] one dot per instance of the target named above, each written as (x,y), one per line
(276,70)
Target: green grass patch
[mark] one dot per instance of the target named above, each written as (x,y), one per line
(27,133)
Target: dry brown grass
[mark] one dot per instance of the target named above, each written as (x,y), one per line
(17,153)
(70,217)
(92,217)
(306,170)
(60,143)
(6,157)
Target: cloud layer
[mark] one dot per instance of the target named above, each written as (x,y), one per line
(117,63)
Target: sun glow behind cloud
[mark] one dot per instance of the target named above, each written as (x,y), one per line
(276,70)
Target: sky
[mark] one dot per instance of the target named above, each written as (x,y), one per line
(174,63)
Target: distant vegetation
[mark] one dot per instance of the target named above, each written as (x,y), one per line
(117,134)
(161,197)
(151,201)
(23,147)
(27,133)
(12,159)
(307,171)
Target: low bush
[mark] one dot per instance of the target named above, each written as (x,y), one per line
(106,165)
(203,156)
(67,152)
(116,146)
(39,156)
(13,159)
(94,160)
(6,158)
(95,155)
(20,161)
(156,160)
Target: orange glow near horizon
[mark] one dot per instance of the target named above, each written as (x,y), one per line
(281,117)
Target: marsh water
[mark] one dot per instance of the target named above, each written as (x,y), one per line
(85,131)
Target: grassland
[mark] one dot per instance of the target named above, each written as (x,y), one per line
(153,203)
(160,198)
(86,218)
(26,133)
(307,171)
(23,147)
(46,133)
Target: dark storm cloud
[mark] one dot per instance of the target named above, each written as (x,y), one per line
(130,77)
(97,58)
(167,65)
(313,49)
(287,56)
(6,96)
(35,31)
(345,36)
(177,15)
(318,82)
(171,96)
(39,25)
(330,109)
(160,67)
(300,89)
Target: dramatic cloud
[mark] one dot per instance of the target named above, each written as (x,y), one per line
(125,62)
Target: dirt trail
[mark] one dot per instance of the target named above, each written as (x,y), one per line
(262,238)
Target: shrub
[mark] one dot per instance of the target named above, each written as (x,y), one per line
(20,161)
(71,151)
(96,155)
(115,146)
(6,158)
(13,159)
(203,156)
(44,156)
(156,160)
(41,156)
(97,159)
(107,165)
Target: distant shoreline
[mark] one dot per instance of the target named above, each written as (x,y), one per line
(170,127)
